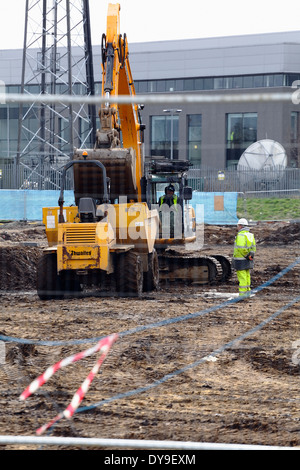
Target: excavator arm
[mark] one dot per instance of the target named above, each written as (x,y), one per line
(117,80)
(124,160)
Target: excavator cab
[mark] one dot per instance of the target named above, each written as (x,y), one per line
(177,227)
(177,217)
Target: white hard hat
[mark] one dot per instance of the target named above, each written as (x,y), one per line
(243,222)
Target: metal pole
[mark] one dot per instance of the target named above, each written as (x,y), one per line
(89,67)
(71,133)
(53,70)
(43,81)
(17,159)
(134,443)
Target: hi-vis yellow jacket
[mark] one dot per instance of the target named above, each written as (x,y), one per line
(243,245)
(170,201)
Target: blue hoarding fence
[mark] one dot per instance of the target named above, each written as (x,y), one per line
(28,204)
(211,208)
(219,208)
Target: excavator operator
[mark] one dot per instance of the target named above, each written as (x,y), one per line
(167,225)
(169,197)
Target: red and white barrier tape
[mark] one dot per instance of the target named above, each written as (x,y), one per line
(103,346)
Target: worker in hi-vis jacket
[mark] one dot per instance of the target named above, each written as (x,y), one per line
(243,254)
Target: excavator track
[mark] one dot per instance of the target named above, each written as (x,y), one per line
(191,269)
(225,262)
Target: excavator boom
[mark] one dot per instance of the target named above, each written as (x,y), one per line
(124,160)
(119,140)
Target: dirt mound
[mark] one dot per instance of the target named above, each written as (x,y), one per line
(280,233)
(265,232)
(18,267)
(22,231)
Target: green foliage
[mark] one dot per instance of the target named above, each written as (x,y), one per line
(268,208)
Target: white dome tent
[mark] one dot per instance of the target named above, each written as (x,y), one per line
(263,161)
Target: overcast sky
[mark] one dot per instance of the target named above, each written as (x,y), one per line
(156,20)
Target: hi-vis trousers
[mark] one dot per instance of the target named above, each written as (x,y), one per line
(244,279)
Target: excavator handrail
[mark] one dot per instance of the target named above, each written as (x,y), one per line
(63,180)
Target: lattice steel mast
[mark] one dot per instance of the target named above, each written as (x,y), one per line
(57,58)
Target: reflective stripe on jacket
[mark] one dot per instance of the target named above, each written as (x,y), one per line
(244,243)
(164,200)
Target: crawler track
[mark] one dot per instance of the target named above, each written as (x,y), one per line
(192,268)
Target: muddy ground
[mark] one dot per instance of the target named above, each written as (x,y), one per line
(235,390)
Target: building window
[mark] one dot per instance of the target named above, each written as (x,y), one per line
(219,83)
(161,86)
(164,136)
(152,86)
(9,125)
(170,85)
(228,82)
(292,77)
(248,81)
(83,132)
(198,83)
(189,84)
(48,62)
(63,135)
(279,80)
(215,83)
(258,81)
(179,85)
(241,132)
(208,84)
(268,80)
(237,82)
(194,138)
(143,87)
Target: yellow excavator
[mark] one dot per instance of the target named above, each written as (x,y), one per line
(108,237)
(115,233)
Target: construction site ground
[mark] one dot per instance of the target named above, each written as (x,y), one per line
(197,379)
